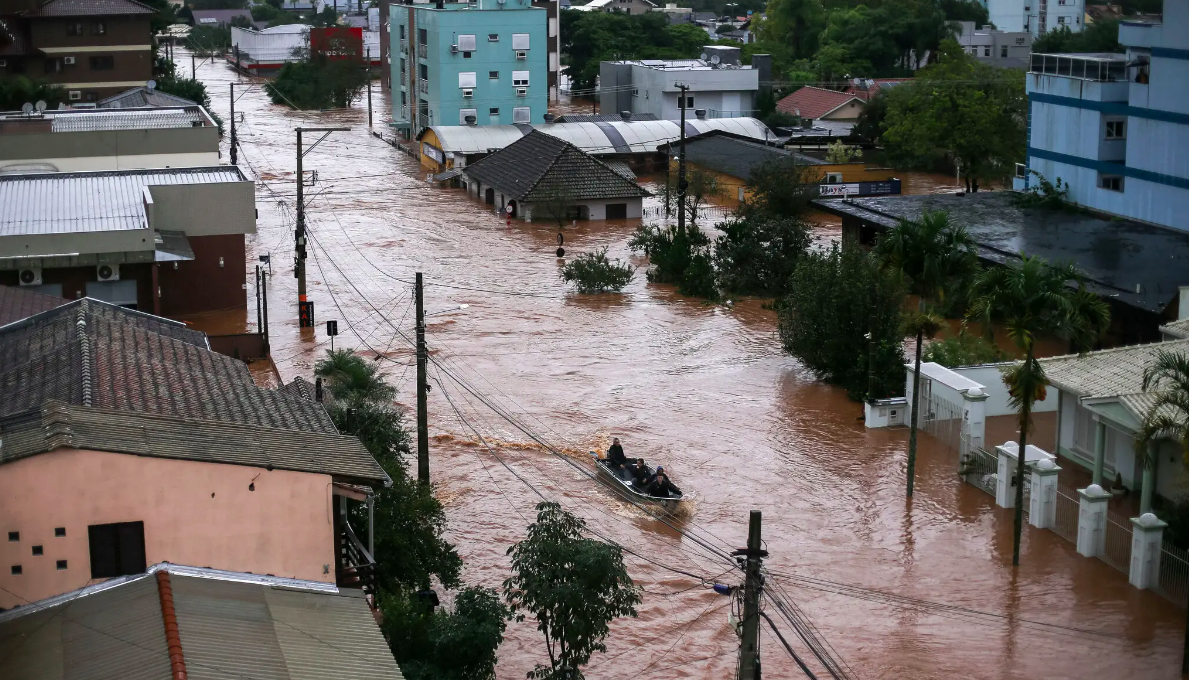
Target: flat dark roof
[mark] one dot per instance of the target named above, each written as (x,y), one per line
(1116,254)
(733,155)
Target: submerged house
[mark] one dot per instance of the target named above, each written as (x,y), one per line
(542,174)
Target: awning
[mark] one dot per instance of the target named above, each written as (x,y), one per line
(449,174)
(172,246)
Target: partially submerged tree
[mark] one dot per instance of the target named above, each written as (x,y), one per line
(573,586)
(681,257)
(1031,299)
(758,251)
(594,272)
(782,187)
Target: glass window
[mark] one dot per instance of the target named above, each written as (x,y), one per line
(1116,129)
(1003,51)
(74,29)
(1110,182)
(98,28)
(493,75)
(466,43)
(987,51)
(466,79)
(116,549)
(520,78)
(493,37)
(521,114)
(103,63)
(493,112)
(520,41)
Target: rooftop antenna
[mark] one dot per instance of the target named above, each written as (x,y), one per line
(40,105)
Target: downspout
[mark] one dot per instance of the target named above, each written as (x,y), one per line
(173,642)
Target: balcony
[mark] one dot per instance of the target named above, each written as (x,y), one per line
(404,46)
(356,567)
(422,51)
(1098,67)
(424,86)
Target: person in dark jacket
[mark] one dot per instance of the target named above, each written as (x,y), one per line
(640,474)
(617,461)
(661,486)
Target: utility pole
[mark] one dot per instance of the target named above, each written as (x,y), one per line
(681,185)
(422,390)
(369,87)
(193,68)
(749,649)
(234,157)
(305,309)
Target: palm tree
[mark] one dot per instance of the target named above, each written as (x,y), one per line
(1030,299)
(352,378)
(937,256)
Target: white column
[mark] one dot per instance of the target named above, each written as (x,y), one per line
(1042,505)
(1092,520)
(974,408)
(1147,542)
(1005,489)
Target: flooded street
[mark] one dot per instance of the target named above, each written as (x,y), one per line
(703,389)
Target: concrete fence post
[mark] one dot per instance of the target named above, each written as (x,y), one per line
(974,413)
(1042,505)
(1092,520)
(1147,543)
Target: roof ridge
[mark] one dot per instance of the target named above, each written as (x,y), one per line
(84,345)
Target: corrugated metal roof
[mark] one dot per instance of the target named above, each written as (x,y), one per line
(638,136)
(115,633)
(139,97)
(347,643)
(77,202)
(155,118)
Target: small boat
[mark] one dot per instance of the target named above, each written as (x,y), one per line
(608,477)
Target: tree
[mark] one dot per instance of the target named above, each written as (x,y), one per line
(588,38)
(869,124)
(961,112)
(351,378)
(1100,36)
(966,10)
(1031,299)
(574,586)
(796,23)
(936,256)
(208,40)
(21,90)
(439,645)
(963,349)
(757,252)
(782,187)
(1168,416)
(319,82)
(679,257)
(595,273)
(840,153)
(842,318)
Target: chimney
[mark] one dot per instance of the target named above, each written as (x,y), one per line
(318,390)
(626,116)
(700,113)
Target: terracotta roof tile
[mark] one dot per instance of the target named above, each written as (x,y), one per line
(814,102)
(16,303)
(90,8)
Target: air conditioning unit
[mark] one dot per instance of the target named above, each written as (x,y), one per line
(31,276)
(3,63)
(522,92)
(108,272)
(69,61)
(833,178)
(521,54)
(467,92)
(76,95)
(454,49)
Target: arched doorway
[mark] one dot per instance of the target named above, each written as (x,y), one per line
(489,196)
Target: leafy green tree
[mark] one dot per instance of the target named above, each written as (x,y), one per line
(936,256)
(758,251)
(350,378)
(318,82)
(869,125)
(588,38)
(1100,36)
(841,153)
(679,257)
(795,23)
(842,318)
(574,586)
(1168,416)
(965,10)
(188,88)
(782,187)
(594,272)
(439,645)
(958,111)
(22,90)
(1031,299)
(204,40)
(963,349)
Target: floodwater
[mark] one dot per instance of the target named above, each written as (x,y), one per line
(703,389)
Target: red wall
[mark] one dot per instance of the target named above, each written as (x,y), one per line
(202,285)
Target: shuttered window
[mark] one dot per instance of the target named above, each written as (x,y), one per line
(520,41)
(116,549)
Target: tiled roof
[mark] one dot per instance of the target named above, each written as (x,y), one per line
(229,625)
(92,353)
(1109,372)
(220,16)
(1177,329)
(139,97)
(814,102)
(299,388)
(75,202)
(91,8)
(18,302)
(57,425)
(13,41)
(869,91)
(539,166)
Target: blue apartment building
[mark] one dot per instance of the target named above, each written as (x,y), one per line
(1116,126)
(481,63)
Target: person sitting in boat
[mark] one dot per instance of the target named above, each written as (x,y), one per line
(661,486)
(640,474)
(617,462)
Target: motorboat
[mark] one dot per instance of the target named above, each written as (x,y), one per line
(629,489)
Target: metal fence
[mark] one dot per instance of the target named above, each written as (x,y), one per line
(978,468)
(1117,550)
(707,214)
(942,419)
(1174,574)
(1066,523)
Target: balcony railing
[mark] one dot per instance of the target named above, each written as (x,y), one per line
(1103,68)
(357,567)
(424,87)
(422,51)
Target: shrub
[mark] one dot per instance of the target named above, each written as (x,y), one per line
(841,153)
(596,273)
(757,253)
(836,298)
(679,257)
(963,349)
(1045,194)
(318,82)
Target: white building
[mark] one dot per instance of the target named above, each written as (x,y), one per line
(995,47)
(717,84)
(1116,126)
(1036,16)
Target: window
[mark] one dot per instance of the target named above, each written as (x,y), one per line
(60,532)
(61,565)
(74,29)
(466,43)
(38,550)
(1003,51)
(402,31)
(75,95)
(424,72)
(1116,129)
(1061,20)
(422,36)
(493,75)
(520,41)
(986,50)
(466,79)
(635,92)
(521,114)
(520,78)
(99,28)
(116,549)
(16,570)
(402,67)
(689,102)
(463,114)
(493,112)
(103,63)
(493,37)
(1110,182)
(14,536)
(53,65)
(466,55)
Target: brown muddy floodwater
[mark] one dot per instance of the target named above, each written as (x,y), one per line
(705,390)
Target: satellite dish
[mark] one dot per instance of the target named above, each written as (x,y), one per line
(152,84)
(704,56)
(40,105)
(715,59)
(26,108)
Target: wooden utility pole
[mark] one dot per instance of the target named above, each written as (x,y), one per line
(681,184)
(422,390)
(193,68)
(749,649)
(234,156)
(369,87)
(305,309)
